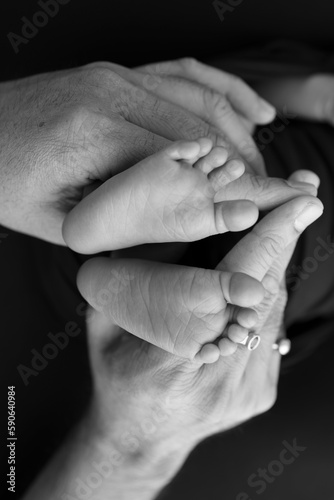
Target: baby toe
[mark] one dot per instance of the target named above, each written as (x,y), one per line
(235,215)
(215,158)
(208,354)
(220,177)
(205,147)
(237,333)
(227,347)
(305,176)
(183,150)
(189,151)
(245,317)
(241,290)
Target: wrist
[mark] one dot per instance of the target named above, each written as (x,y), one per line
(137,446)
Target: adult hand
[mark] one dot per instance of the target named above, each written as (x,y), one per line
(150,408)
(219,98)
(60,132)
(209,398)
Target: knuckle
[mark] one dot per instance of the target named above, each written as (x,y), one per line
(249,150)
(188,63)
(258,184)
(271,246)
(271,285)
(79,121)
(82,131)
(70,128)
(79,114)
(97,65)
(216,104)
(102,74)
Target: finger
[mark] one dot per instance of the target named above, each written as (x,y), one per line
(266,192)
(306,176)
(243,98)
(174,122)
(146,109)
(274,280)
(248,125)
(258,250)
(265,359)
(211,106)
(215,109)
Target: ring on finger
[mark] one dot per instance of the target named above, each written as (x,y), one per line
(252,341)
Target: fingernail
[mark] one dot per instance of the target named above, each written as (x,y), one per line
(267,110)
(310,213)
(303,186)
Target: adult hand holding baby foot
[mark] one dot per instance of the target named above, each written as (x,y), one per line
(71,128)
(179,401)
(185,192)
(186,310)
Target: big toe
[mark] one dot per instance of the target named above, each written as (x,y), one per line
(242,290)
(189,151)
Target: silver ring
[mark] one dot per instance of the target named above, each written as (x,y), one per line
(252,341)
(283,346)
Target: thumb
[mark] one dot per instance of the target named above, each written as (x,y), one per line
(256,253)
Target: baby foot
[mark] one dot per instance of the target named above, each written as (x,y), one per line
(168,197)
(180,309)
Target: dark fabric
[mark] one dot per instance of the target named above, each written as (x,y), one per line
(134,32)
(38,297)
(38,294)
(279,58)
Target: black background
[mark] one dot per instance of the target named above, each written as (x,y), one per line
(38,294)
